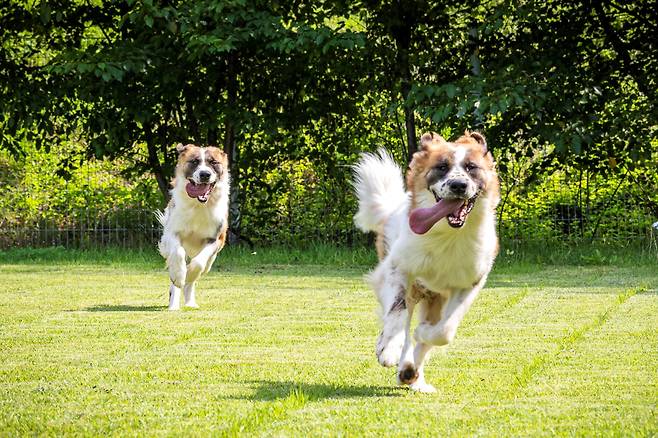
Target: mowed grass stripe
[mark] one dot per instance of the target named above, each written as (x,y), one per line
(609,377)
(540,362)
(491,304)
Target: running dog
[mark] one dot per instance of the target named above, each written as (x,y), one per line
(195,220)
(436,243)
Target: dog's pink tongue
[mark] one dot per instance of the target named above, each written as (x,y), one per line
(196,190)
(422,219)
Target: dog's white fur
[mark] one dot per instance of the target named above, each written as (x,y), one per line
(193,230)
(440,272)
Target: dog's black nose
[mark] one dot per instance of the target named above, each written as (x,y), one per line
(204,175)
(458,187)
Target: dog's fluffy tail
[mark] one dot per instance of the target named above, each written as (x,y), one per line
(379,188)
(162,217)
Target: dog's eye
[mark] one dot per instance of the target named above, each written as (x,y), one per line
(195,161)
(442,167)
(470,167)
(213,162)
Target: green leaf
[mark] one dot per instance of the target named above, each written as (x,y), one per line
(576,144)
(464,107)
(44,12)
(483,106)
(451,90)
(559,145)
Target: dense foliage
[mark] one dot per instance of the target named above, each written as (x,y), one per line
(293,91)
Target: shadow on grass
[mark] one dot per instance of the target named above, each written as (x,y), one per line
(124,308)
(266,390)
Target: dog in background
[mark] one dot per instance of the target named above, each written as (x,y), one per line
(195,221)
(436,243)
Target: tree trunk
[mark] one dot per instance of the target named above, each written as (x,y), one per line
(155,165)
(231,150)
(623,50)
(473,42)
(409,122)
(402,35)
(235,216)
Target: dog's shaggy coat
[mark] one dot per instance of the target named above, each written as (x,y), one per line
(195,221)
(436,243)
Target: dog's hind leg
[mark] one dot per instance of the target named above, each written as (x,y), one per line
(219,245)
(209,263)
(429,312)
(390,286)
(407,373)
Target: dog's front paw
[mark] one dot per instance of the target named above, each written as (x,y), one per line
(194,269)
(423,333)
(407,374)
(177,272)
(177,277)
(389,350)
(422,387)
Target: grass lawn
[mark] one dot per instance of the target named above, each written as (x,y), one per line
(284,345)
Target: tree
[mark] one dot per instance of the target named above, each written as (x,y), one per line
(323,80)
(153,74)
(415,42)
(578,76)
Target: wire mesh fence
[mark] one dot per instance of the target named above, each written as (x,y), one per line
(138,229)
(131,229)
(556,210)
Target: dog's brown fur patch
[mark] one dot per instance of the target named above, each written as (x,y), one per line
(436,151)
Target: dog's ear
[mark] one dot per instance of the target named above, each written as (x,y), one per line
(180,148)
(219,152)
(418,160)
(480,139)
(427,139)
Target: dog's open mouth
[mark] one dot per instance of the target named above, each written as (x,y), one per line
(421,220)
(199,191)
(457,218)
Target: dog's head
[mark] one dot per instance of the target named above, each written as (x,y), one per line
(447,178)
(200,168)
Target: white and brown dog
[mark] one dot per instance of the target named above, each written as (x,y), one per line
(436,243)
(195,220)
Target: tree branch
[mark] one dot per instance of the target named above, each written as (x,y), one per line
(621,47)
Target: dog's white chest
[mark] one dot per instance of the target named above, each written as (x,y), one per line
(448,263)
(195,226)
(449,273)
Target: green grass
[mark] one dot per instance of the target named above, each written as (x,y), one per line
(284,345)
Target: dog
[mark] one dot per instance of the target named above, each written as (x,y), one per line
(436,242)
(195,221)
